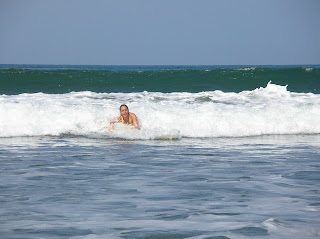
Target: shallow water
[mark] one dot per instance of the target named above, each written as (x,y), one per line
(260,187)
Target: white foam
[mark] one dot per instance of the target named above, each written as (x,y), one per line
(311,209)
(267,110)
(246,69)
(272,225)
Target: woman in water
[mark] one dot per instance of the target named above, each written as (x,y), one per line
(126,117)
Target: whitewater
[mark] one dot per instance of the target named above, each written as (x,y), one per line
(268,110)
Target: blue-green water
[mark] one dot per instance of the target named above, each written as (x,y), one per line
(16,79)
(223,152)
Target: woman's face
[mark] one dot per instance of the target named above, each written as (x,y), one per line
(124,111)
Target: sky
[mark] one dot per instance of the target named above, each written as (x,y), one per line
(160,32)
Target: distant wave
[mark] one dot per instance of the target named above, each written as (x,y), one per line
(61,80)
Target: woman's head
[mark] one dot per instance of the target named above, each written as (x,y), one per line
(124,110)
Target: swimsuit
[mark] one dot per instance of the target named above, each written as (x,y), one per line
(130,120)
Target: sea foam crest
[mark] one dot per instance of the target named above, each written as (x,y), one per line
(266,110)
(246,69)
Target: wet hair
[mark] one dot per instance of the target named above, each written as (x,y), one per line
(125,106)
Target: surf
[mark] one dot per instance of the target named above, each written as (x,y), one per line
(263,111)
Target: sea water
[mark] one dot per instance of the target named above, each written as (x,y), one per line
(224,162)
(259,187)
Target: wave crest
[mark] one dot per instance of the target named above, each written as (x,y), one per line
(265,110)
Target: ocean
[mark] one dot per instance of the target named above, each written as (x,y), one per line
(223,152)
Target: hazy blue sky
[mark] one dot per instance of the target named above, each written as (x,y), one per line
(148,32)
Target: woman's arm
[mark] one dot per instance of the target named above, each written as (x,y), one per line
(115,120)
(135,121)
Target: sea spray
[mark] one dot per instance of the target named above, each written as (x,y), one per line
(266,110)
